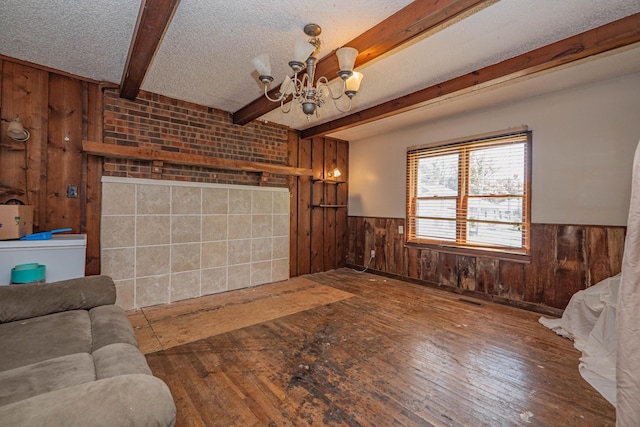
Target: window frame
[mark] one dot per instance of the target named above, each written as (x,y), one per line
(461,245)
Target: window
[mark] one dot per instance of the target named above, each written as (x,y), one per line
(472,194)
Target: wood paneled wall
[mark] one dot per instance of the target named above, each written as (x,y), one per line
(564,260)
(59,111)
(318,233)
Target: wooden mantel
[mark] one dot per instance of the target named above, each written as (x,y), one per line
(135,153)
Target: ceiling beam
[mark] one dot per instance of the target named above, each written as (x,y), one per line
(614,35)
(412,21)
(153,20)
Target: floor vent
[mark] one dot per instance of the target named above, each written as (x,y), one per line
(468,301)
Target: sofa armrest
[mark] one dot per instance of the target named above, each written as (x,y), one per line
(19,302)
(125,400)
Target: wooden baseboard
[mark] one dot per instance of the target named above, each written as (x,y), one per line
(536,308)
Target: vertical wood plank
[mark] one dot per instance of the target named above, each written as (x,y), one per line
(13,155)
(292,160)
(92,194)
(317,214)
(342,229)
(24,94)
(539,286)
(448,270)
(615,239)
(351,253)
(329,214)
(466,266)
(304,210)
(64,151)
(512,280)
(570,274)
(487,275)
(398,246)
(380,239)
(390,255)
(430,266)
(360,243)
(604,253)
(413,262)
(369,240)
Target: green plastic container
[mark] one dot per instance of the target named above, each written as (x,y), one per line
(28,273)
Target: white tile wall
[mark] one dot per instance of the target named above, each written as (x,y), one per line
(164,241)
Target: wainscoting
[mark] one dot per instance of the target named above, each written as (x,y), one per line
(564,260)
(164,241)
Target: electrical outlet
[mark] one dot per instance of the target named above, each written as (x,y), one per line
(72,192)
(400,229)
(373,253)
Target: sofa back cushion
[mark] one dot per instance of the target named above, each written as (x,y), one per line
(33,340)
(19,302)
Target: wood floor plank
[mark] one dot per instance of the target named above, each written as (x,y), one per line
(190,320)
(384,352)
(147,340)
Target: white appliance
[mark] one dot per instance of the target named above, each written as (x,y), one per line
(63,254)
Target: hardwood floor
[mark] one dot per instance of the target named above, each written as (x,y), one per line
(344,348)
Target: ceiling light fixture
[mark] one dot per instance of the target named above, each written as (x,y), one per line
(311,93)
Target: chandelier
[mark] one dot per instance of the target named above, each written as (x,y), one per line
(308,92)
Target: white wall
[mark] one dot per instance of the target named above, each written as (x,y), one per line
(583,145)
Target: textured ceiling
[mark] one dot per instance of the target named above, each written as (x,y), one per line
(205,56)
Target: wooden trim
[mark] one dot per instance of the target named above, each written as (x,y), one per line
(47,69)
(524,305)
(153,20)
(617,34)
(500,254)
(412,21)
(134,153)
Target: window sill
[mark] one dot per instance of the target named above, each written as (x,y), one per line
(475,252)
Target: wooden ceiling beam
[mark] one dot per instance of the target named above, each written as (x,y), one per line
(405,25)
(153,20)
(614,35)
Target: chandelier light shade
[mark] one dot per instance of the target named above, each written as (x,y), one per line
(262,64)
(309,92)
(352,84)
(346,59)
(302,50)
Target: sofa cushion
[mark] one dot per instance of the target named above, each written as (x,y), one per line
(109,325)
(119,359)
(125,400)
(31,300)
(49,375)
(29,341)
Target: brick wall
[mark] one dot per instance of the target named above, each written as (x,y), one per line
(159,122)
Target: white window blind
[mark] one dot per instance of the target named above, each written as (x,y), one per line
(472,194)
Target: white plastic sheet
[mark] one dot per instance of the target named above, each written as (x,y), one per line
(590,321)
(628,362)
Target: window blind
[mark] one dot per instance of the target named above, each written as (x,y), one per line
(473,194)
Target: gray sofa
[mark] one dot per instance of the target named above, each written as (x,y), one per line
(69,357)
